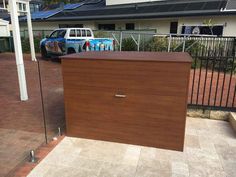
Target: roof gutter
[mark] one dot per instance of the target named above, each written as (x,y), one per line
(137,16)
(227,10)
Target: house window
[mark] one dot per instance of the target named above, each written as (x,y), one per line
(204,30)
(130,26)
(71,25)
(173,27)
(21,7)
(106,26)
(35,7)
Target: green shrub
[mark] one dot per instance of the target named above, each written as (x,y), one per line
(128,44)
(101,34)
(156,44)
(26,44)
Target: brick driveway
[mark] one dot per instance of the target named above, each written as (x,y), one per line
(21,123)
(214,97)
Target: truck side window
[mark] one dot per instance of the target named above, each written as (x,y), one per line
(72,33)
(83,33)
(58,34)
(54,34)
(61,33)
(89,34)
(78,33)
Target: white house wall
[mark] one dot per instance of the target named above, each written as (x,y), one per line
(161,26)
(4,28)
(54,25)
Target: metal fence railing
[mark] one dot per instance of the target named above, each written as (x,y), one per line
(212,81)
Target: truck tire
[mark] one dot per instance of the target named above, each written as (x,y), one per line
(71,51)
(44,53)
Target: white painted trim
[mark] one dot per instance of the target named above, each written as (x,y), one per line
(201,25)
(4,5)
(30,32)
(18,50)
(4,21)
(227,10)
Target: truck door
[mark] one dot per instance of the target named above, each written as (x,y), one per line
(56,42)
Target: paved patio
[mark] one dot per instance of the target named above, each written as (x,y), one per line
(210,151)
(22,129)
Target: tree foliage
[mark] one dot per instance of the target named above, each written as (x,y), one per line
(210,25)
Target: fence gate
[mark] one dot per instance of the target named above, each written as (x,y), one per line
(212,81)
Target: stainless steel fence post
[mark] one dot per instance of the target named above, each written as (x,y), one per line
(121,38)
(139,42)
(184,44)
(32,157)
(59,131)
(169,44)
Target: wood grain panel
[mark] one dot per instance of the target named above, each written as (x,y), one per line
(153,113)
(129,75)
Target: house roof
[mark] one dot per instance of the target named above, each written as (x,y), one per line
(173,8)
(231,5)
(4,14)
(97,10)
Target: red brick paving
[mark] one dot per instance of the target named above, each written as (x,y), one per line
(214,88)
(21,123)
(27,116)
(25,168)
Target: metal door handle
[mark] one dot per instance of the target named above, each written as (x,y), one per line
(120,96)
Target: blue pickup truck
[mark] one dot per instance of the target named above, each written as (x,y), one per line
(73,40)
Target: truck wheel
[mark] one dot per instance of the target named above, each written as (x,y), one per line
(71,51)
(44,53)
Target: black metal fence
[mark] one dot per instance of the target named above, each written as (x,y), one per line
(212,81)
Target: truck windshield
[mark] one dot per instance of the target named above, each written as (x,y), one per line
(58,34)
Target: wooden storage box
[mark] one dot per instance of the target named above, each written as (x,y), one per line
(128,97)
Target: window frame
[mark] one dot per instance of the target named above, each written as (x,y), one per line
(75,33)
(176,25)
(127,27)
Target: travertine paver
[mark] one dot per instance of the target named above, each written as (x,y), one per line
(210,151)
